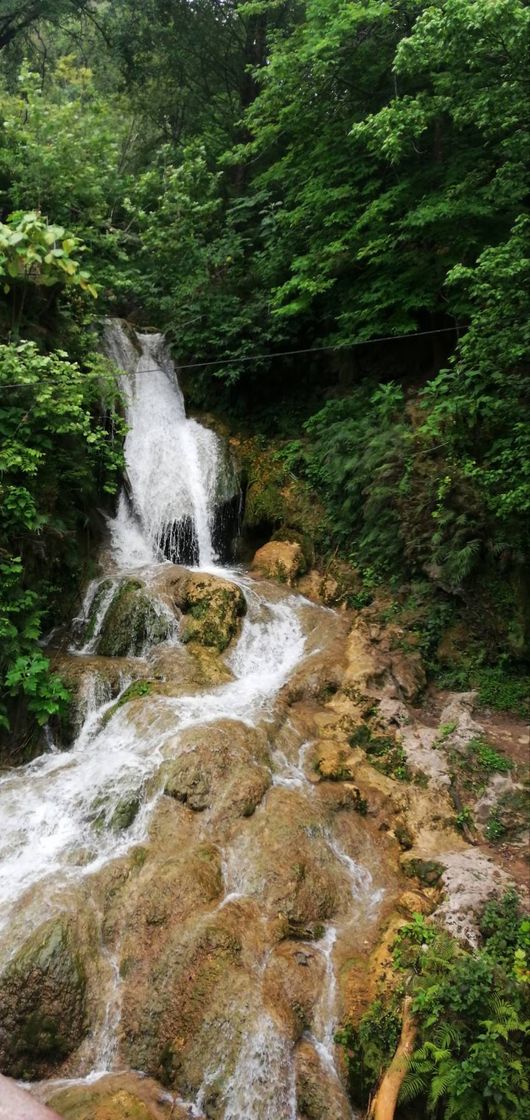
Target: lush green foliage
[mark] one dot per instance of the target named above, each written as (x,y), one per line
(56,455)
(471,1009)
(65,151)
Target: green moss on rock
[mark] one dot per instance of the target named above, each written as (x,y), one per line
(428,871)
(43,1001)
(90,628)
(121,817)
(213,609)
(132,620)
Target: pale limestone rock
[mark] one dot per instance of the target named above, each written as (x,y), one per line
(470,880)
(498,785)
(457,713)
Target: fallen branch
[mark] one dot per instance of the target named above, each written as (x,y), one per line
(384,1103)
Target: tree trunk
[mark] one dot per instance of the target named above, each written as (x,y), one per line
(384,1103)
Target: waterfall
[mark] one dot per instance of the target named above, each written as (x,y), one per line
(69,815)
(173,464)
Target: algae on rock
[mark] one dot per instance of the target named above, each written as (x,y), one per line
(213,609)
(43,1000)
(132,620)
(117,1096)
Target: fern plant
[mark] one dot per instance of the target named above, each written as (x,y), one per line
(471,1011)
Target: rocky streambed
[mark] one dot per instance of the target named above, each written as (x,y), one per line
(212,874)
(202,876)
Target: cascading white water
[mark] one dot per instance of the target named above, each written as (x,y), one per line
(57,813)
(51,809)
(173,463)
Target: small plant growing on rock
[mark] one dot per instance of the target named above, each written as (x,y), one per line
(384,752)
(488,758)
(495,829)
(444,733)
(464,819)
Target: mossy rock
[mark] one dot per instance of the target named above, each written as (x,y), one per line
(132,621)
(133,692)
(275,498)
(213,610)
(43,1001)
(125,1096)
(428,871)
(125,813)
(122,816)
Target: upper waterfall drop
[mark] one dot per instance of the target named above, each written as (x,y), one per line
(174,465)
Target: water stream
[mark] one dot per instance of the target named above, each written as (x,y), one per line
(57,812)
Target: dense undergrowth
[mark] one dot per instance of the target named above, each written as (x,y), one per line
(471,1010)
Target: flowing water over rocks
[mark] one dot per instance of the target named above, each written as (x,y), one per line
(178,886)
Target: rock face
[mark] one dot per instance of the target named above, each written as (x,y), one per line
(281,560)
(319,588)
(132,621)
(320,1094)
(116,1097)
(233,924)
(212,607)
(470,880)
(43,1002)
(219,768)
(457,719)
(377,668)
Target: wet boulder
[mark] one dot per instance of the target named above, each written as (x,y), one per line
(212,607)
(223,769)
(281,560)
(176,998)
(292,983)
(43,1002)
(125,1096)
(319,1092)
(283,859)
(133,621)
(187,781)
